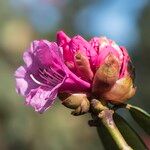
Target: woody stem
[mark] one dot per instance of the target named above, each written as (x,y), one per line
(105,115)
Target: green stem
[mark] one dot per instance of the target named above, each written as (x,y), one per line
(106,117)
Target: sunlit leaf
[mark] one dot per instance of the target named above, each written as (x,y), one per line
(141,117)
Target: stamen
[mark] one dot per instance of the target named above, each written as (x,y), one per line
(47,76)
(36,81)
(58,75)
(48,80)
(50,76)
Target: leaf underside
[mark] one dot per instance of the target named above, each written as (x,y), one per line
(129,134)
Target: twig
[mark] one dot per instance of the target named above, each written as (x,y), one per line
(106,117)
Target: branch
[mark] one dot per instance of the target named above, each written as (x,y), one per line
(106,117)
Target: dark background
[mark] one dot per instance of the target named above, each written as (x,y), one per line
(21,21)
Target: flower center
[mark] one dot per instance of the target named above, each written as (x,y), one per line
(47,77)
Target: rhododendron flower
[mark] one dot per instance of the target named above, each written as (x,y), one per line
(113,80)
(44,75)
(77,68)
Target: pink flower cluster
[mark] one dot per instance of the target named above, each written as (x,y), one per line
(73,65)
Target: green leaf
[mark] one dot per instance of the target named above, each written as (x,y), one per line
(131,137)
(141,117)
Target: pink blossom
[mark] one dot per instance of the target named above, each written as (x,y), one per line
(99,68)
(44,75)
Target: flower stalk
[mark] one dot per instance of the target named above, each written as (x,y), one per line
(105,115)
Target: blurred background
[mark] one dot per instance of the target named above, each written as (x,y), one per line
(21,21)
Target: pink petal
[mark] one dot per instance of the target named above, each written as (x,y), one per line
(62,38)
(42,98)
(23,81)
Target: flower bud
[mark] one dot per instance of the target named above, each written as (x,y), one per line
(114,78)
(77,101)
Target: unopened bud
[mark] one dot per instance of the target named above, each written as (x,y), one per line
(79,102)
